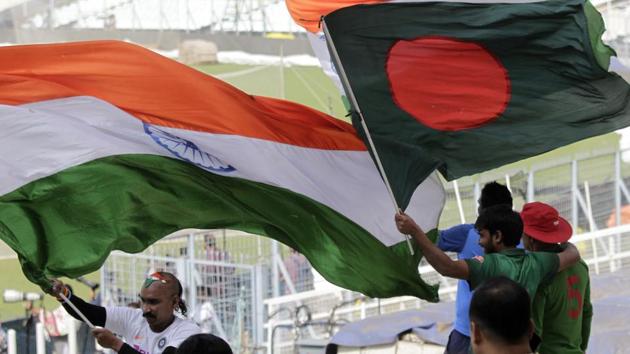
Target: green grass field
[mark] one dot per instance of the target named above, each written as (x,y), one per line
(309,86)
(305,85)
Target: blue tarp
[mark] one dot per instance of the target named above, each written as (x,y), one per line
(431,324)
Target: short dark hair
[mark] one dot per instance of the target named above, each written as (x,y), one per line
(494,193)
(502,217)
(501,308)
(204,343)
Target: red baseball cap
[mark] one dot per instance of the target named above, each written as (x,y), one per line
(543,223)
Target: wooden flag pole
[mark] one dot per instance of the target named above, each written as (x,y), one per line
(355,104)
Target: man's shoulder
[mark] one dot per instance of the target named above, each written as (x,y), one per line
(459,228)
(470,228)
(467,227)
(575,276)
(579,269)
(492,263)
(581,266)
(129,313)
(122,319)
(484,263)
(185,324)
(543,258)
(471,246)
(455,238)
(472,233)
(179,331)
(492,257)
(480,259)
(483,267)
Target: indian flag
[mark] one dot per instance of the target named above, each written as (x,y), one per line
(106,145)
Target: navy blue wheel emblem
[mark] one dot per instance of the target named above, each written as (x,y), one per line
(186,150)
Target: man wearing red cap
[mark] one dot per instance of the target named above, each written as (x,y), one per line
(562,310)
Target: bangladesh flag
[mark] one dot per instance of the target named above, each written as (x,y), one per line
(109,146)
(466,87)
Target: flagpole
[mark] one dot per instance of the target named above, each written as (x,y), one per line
(65,299)
(355,104)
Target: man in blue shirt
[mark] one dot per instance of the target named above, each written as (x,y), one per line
(464,239)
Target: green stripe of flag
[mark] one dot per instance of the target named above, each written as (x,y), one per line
(128,202)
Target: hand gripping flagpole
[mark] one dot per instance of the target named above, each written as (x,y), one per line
(355,104)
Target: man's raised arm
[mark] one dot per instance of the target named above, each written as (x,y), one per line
(96,314)
(442,263)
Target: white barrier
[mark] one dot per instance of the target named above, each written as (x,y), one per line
(12,341)
(40,339)
(72,337)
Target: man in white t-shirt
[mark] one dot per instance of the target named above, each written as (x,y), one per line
(151,329)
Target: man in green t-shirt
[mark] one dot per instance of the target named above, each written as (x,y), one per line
(562,310)
(500,229)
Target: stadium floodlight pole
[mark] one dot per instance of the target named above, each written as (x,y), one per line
(355,104)
(65,299)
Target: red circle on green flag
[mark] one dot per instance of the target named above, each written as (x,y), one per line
(447,84)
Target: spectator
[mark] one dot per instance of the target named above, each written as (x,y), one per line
(222,285)
(152,329)
(562,310)
(500,318)
(464,240)
(299,270)
(204,343)
(217,276)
